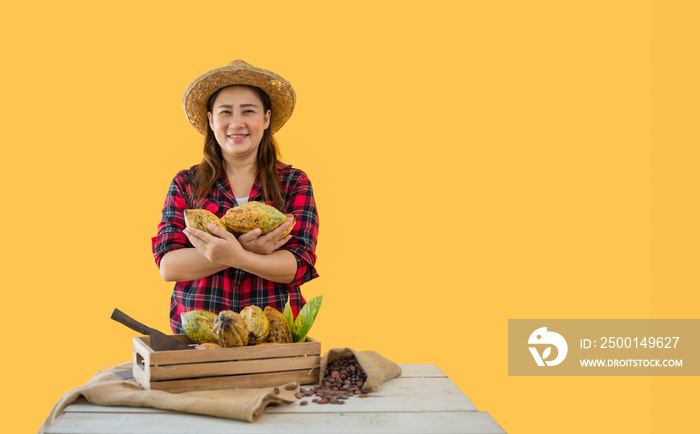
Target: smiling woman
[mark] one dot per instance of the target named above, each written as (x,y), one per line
(237,108)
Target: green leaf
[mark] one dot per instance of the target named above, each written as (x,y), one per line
(288,314)
(306,318)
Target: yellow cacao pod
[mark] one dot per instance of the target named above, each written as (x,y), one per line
(207,346)
(253,215)
(201,218)
(230,329)
(258,325)
(198,325)
(279,333)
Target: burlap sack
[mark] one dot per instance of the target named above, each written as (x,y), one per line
(105,388)
(377,368)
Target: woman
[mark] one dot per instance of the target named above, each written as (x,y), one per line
(237,108)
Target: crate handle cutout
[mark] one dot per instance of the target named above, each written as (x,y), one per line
(140,363)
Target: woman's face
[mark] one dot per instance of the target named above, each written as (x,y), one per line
(238,121)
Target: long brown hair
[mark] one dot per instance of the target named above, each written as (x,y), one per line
(267,159)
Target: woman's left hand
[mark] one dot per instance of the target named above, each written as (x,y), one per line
(252,241)
(221,247)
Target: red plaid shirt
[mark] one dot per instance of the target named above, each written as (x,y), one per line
(233,288)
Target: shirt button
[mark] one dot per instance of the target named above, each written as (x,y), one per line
(238,287)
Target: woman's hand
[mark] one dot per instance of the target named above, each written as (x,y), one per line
(265,244)
(221,247)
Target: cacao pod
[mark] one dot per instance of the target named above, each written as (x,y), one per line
(253,215)
(230,329)
(201,218)
(207,346)
(198,325)
(280,332)
(258,325)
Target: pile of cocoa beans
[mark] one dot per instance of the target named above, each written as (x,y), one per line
(342,379)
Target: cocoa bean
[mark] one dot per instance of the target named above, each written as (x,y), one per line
(342,378)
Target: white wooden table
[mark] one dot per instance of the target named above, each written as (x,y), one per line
(422,400)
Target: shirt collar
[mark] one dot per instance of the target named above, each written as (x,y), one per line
(255,192)
(225,187)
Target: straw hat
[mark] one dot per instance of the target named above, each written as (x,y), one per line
(281,93)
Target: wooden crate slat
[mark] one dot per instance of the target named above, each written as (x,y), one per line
(269,379)
(199,370)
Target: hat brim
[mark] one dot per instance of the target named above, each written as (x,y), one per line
(280,91)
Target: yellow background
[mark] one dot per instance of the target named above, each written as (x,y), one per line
(472,162)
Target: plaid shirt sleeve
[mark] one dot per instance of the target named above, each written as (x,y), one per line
(300,202)
(170,235)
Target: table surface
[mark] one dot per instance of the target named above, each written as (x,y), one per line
(422,400)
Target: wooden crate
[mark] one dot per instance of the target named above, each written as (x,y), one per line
(225,368)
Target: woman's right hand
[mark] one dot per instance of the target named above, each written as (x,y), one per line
(265,244)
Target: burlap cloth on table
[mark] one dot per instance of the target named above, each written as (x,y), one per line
(105,388)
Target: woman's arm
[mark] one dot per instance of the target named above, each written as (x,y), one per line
(279,266)
(223,248)
(187,264)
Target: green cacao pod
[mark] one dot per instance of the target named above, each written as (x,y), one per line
(201,218)
(253,215)
(199,326)
(230,329)
(258,325)
(280,332)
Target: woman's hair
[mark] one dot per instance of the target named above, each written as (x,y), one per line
(267,159)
